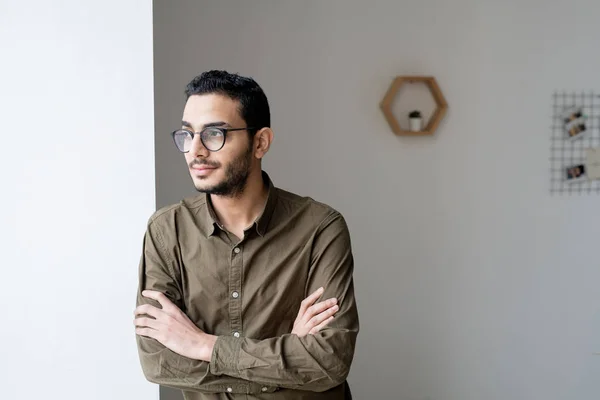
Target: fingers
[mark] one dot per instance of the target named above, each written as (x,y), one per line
(316,319)
(318,316)
(150,324)
(148,310)
(322,325)
(310,300)
(158,296)
(319,308)
(146,323)
(148,332)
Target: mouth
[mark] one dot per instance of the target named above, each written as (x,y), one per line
(202,170)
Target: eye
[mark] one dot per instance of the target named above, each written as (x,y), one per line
(213,132)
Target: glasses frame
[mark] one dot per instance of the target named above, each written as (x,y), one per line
(219,128)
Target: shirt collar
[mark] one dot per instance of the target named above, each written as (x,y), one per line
(210,222)
(210,218)
(262,222)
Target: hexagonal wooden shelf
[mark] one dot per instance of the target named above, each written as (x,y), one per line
(438,97)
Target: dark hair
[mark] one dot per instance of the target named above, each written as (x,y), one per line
(254,106)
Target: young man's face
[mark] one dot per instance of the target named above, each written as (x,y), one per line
(222,172)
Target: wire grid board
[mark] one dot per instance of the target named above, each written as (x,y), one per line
(565,153)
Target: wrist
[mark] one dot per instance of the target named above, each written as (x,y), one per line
(207,345)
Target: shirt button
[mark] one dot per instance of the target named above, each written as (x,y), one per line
(236,334)
(235,295)
(236,250)
(264,389)
(229,390)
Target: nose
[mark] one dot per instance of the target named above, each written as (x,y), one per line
(198,149)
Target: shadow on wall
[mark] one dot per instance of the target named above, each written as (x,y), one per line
(170,394)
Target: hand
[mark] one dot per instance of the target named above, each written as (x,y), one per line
(172,328)
(314,317)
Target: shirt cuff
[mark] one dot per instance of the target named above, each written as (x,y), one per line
(225,356)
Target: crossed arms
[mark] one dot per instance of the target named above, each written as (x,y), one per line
(315,356)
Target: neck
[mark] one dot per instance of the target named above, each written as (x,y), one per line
(239,212)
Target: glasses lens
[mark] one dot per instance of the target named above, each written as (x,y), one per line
(213,138)
(183,140)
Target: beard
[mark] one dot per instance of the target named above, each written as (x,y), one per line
(236,176)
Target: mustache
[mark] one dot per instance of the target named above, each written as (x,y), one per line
(205,163)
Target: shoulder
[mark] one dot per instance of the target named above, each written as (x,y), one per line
(169,214)
(319,213)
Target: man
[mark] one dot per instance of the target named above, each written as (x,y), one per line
(229,280)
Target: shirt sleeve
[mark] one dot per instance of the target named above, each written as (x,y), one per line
(158,271)
(316,362)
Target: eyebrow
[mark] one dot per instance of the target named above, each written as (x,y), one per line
(217,123)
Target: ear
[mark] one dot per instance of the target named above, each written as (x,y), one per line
(262,142)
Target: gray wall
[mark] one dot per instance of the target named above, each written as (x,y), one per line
(473,282)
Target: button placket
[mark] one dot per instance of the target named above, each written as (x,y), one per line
(235,284)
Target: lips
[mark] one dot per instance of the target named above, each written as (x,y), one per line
(202,168)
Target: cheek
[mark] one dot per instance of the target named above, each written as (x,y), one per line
(226,156)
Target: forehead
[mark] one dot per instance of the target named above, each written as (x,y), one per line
(207,108)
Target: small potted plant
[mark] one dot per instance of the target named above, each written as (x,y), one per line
(416,120)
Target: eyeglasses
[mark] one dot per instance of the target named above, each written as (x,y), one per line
(213,138)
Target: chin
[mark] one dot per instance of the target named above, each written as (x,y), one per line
(204,184)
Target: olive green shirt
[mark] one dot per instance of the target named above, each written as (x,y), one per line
(248,293)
